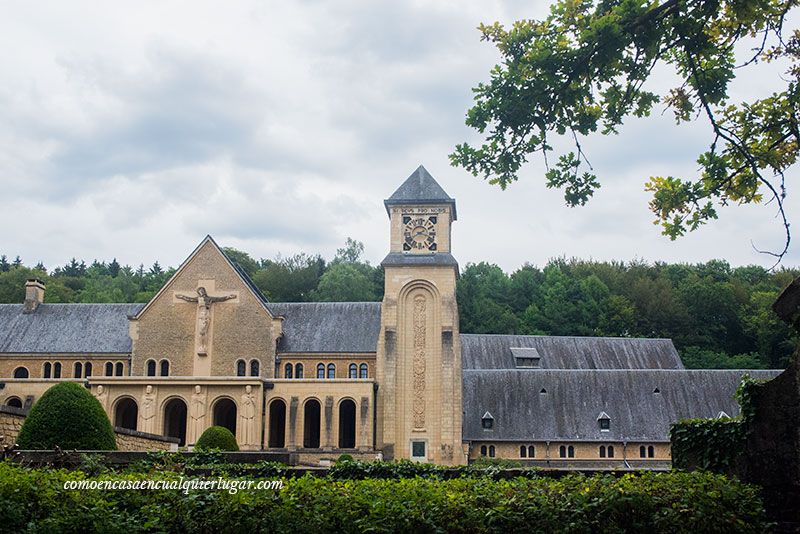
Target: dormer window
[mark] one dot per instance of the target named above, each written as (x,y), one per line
(656,391)
(604,421)
(487,421)
(526,358)
(543,392)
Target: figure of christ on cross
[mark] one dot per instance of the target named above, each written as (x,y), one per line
(204,302)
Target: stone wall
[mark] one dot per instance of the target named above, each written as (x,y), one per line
(11,420)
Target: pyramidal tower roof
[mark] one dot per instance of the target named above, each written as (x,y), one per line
(420,188)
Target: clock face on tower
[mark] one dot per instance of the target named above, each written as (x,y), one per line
(419,233)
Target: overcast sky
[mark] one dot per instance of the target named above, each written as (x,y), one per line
(279,127)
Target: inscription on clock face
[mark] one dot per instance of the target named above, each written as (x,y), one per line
(419,233)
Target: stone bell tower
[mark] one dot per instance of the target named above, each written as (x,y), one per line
(419,351)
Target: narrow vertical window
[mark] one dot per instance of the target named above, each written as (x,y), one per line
(151,368)
(352,371)
(88,369)
(78,370)
(602,451)
(321,371)
(562,452)
(610,451)
(651,452)
(121,368)
(331,371)
(483,450)
(523,452)
(47,370)
(109,369)
(491,451)
(642,453)
(164,367)
(571,451)
(240,368)
(57,370)
(287,370)
(255,368)
(363,371)
(531,451)
(298,370)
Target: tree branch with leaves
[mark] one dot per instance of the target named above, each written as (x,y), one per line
(583,69)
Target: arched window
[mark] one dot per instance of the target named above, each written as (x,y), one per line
(126,413)
(331,371)
(483,450)
(151,368)
(14,402)
(321,370)
(47,370)
(352,371)
(602,451)
(298,370)
(491,451)
(241,367)
(88,369)
(347,424)
(610,451)
(311,424)
(20,372)
(287,370)
(121,368)
(78,371)
(523,451)
(109,369)
(277,424)
(642,453)
(571,451)
(651,453)
(531,451)
(363,371)
(164,367)
(562,452)
(255,368)
(57,370)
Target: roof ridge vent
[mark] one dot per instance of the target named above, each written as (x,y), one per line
(526,357)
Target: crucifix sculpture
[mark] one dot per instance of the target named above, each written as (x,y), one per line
(204,302)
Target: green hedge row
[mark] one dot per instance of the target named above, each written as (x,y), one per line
(35,501)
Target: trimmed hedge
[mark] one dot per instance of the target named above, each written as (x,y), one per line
(67,416)
(35,500)
(217,438)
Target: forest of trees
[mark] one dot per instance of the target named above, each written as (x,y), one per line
(718,316)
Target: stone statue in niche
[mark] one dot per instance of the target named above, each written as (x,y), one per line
(204,302)
(198,414)
(102,396)
(148,409)
(248,416)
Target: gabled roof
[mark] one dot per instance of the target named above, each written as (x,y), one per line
(66,328)
(569,411)
(242,276)
(329,326)
(420,188)
(491,351)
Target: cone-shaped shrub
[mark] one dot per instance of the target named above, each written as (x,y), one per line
(217,437)
(67,416)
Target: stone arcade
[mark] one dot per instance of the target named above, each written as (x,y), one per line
(394,379)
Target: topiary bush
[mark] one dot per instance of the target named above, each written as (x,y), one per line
(217,438)
(69,417)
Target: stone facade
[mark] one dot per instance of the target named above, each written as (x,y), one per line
(389,380)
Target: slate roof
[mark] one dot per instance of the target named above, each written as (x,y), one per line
(489,351)
(420,188)
(329,326)
(437,258)
(66,328)
(569,409)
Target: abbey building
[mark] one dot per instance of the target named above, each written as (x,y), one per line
(394,379)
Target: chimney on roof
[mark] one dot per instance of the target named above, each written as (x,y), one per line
(34,295)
